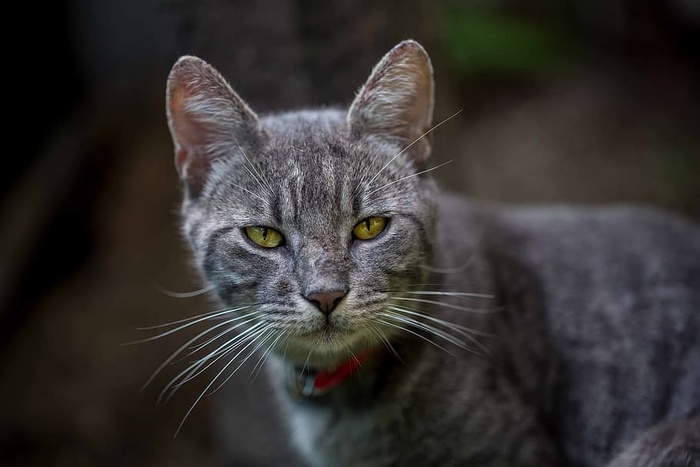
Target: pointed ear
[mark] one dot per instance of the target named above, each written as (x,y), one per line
(396,102)
(207,120)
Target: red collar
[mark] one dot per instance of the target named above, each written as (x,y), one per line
(313,383)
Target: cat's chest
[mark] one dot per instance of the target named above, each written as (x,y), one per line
(345,437)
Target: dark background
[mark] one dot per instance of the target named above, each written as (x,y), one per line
(579,101)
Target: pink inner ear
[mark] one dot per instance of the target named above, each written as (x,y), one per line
(181,124)
(190,138)
(189,134)
(204,116)
(180,159)
(187,140)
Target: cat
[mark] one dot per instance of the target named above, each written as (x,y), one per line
(402,326)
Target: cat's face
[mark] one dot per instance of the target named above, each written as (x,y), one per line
(308,222)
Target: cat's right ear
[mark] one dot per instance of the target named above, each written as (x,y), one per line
(207,120)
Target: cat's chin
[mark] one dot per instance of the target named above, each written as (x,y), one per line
(325,348)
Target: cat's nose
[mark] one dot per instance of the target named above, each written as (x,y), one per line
(326,301)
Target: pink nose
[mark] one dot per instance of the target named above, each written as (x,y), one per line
(326,301)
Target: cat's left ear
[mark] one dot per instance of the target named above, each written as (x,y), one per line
(207,120)
(396,103)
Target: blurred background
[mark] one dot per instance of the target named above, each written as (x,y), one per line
(577,101)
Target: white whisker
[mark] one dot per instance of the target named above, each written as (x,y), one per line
(266,355)
(196,348)
(191,321)
(286,348)
(428,328)
(263,337)
(461,330)
(387,344)
(197,364)
(206,389)
(257,176)
(411,144)
(265,201)
(194,293)
(447,294)
(352,354)
(204,363)
(191,341)
(453,326)
(454,270)
(387,323)
(409,176)
(447,305)
(305,367)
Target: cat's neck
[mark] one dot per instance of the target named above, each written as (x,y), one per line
(355,381)
(306,382)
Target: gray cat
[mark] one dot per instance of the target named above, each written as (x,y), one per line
(405,327)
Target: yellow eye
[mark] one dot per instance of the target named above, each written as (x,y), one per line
(369,228)
(264,236)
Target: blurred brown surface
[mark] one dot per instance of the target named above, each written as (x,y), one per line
(70,389)
(89,232)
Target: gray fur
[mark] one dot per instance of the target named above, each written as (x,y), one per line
(579,347)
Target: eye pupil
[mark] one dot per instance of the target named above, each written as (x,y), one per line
(369,228)
(264,236)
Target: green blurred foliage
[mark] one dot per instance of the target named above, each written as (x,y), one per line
(680,168)
(482,39)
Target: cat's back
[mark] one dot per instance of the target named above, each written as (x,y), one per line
(613,294)
(636,269)
(623,258)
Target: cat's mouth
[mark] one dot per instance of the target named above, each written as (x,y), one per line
(330,336)
(325,347)
(323,340)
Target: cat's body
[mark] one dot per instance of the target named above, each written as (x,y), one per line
(489,335)
(586,351)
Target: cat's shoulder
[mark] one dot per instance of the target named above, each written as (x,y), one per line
(560,231)
(557,219)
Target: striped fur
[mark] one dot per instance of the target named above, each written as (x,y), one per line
(498,336)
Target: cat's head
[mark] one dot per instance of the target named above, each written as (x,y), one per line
(308,221)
